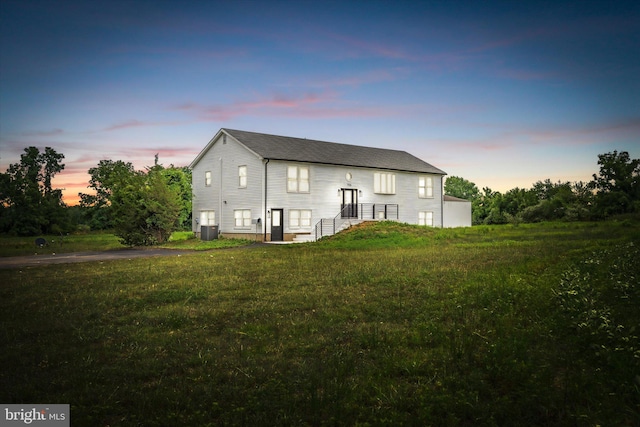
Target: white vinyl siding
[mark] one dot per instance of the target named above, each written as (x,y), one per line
(207,217)
(242,218)
(298,179)
(384,183)
(425,218)
(299,218)
(242,176)
(207,179)
(425,187)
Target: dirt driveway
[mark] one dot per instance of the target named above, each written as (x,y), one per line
(71,257)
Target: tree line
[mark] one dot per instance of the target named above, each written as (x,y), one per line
(614,190)
(143,207)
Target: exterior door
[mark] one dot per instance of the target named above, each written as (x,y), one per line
(277,229)
(349,208)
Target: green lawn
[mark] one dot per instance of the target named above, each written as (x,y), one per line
(101,241)
(387,324)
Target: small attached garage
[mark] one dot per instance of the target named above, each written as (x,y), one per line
(456,212)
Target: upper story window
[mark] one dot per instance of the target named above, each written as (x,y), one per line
(207,179)
(384,183)
(425,187)
(242,176)
(298,179)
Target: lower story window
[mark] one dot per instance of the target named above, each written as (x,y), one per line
(207,217)
(299,218)
(425,218)
(242,217)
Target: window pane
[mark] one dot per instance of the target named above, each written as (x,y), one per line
(303,179)
(384,183)
(207,217)
(294,218)
(242,176)
(305,218)
(292,179)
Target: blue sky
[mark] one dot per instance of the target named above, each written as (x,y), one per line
(500,93)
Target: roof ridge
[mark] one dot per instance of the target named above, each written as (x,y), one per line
(315,140)
(289,148)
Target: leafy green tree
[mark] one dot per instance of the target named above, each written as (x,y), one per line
(459,187)
(495,212)
(29,203)
(617,184)
(179,180)
(105,177)
(145,209)
(580,209)
(516,200)
(484,205)
(556,201)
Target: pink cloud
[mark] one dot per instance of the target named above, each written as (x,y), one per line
(134,123)
(126,125)
(310,105)
(52,132)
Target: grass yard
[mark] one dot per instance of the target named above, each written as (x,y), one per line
(386,324)
(102,241)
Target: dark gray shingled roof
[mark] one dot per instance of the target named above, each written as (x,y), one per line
(310,151)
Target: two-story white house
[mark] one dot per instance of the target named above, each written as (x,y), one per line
(278,188)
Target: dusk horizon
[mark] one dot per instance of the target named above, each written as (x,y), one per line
(501,94)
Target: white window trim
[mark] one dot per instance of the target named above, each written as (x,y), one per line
(207,179)
(242,218)
(207,217)
(294,184)
(300,219)
(384,183)
(425,218)
(242,179)
(425,187)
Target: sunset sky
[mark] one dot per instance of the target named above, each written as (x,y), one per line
(503,94)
